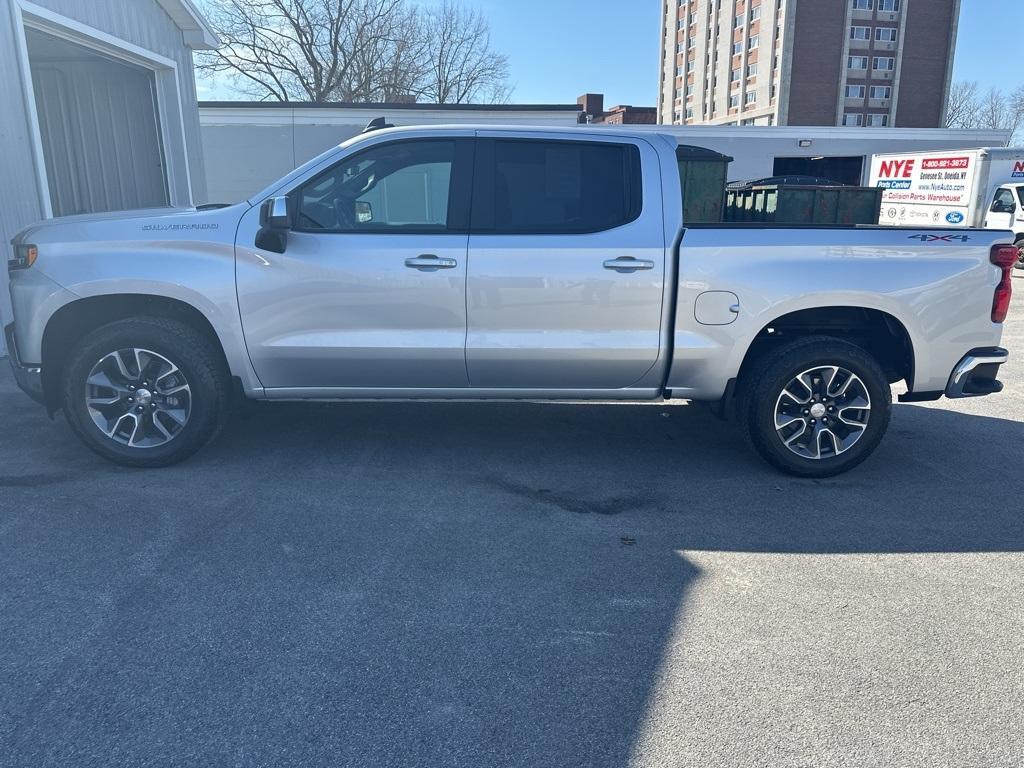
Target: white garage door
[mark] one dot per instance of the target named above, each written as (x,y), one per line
(99,127)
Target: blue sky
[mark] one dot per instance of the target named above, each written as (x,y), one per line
(559,49)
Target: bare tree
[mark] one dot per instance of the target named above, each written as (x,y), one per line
(307,49)
(962,108)
(461,66)
(994,109)
(354,50)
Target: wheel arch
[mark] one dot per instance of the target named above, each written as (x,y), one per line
(879,333)
(71,322)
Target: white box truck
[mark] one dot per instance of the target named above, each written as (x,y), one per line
(982,188)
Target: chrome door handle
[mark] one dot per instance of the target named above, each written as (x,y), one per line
(626,264)
(430,263)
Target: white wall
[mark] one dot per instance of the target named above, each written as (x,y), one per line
(754,148)
(248,147)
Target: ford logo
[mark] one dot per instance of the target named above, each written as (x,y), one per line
(955,217)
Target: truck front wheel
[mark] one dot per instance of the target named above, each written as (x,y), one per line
(814,407)
(145,392)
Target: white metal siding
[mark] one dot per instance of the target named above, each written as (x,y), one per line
(99,128)
(247,148)
(142,23)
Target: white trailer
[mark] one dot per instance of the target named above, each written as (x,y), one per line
(981,188)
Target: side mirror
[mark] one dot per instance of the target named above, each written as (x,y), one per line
(275,221)
(276,214)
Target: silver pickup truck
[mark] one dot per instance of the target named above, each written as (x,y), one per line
(488,263)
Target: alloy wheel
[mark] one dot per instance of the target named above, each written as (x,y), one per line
(822,412)
(138,398)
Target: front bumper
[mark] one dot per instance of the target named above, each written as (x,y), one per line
(975,374)
(28,378)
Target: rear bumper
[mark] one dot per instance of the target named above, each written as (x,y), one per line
(975,374)
(28,378)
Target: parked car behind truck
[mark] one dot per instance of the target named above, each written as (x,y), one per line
(962,188)
(484,263)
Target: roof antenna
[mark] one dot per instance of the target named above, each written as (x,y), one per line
(378,123)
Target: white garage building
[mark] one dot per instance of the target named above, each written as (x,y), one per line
(249,144)
(98,109)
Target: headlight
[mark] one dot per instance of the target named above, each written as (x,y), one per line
(23,258)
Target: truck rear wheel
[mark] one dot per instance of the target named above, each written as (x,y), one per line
(815,407)
(145,392)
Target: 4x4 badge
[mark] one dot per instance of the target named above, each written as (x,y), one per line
(941,238)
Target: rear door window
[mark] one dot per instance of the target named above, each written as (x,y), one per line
(555,187)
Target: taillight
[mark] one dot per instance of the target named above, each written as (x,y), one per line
(1004,257)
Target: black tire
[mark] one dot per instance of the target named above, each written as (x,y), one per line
(1020,253)
(197,359)
(760,392)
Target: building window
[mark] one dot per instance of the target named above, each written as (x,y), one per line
(734,101)
(860,33)
(689,91)
(735,75)
(889,5)
(853,120)
(886,34)
(751,97)
(755,13)
(855,91)
(878,121)
(737,48)
(881,92)
(738,21)
(753,42)
(679,71)
(752,69)
(858,62)
(689,113)
(886,63)
(691,43)
(862,5)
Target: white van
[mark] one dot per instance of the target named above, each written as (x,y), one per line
(981,188)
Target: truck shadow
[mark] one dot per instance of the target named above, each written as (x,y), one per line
(433,584)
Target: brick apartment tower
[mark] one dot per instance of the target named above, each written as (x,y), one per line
(807,62)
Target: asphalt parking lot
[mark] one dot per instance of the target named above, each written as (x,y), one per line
(515,584)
